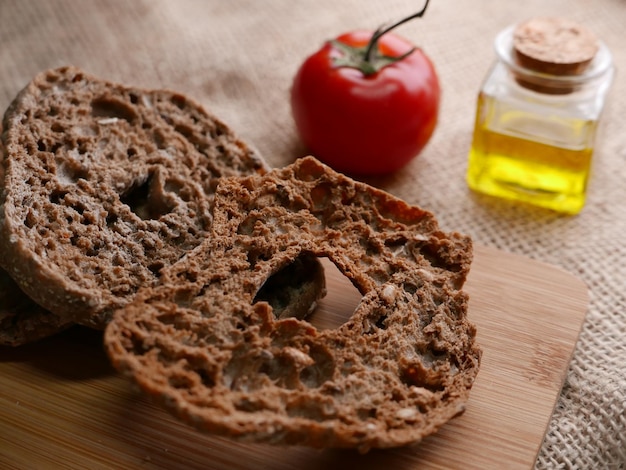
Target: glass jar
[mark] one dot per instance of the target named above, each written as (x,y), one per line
(535,132)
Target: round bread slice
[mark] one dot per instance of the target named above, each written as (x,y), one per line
(104,186)
(403,365)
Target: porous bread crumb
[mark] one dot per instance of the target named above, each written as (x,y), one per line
(104,186)
(396,371)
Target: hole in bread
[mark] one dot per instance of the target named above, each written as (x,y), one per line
(56,196)
(291,290)
(111,219)
(254,257)
(417,374)
(31,219)
(310,288)
(341,299)
(438,258)
(78,207)
(146,199)
(219,130)
(156,266)
(109,107)
(179,101)
(57,127)
(367,413)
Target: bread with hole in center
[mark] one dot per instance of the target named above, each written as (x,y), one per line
(204,345)
(104,186)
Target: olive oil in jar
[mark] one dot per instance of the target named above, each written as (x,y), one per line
(542,160)
(535,128)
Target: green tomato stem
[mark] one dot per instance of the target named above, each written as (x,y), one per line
(373,43)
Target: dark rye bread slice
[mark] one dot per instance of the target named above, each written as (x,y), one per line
(21,319)
(397,370)
(104,185)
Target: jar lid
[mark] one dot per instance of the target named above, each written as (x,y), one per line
(556,46)
(590,65)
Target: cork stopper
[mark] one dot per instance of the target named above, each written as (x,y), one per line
(554,46)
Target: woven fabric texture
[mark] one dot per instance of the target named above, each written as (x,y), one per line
(238,58)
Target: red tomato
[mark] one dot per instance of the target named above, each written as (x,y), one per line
(366,124)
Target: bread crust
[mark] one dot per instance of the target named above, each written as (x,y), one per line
(396,371)
(103,186)
(21,319)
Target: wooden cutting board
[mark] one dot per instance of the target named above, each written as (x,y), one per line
(62,406)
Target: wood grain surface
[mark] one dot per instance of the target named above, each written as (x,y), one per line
(62,406)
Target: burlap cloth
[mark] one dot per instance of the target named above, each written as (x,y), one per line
(238,59)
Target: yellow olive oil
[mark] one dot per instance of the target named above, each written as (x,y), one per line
(536,122)
(543,160)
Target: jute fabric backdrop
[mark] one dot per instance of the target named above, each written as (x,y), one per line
(238,59)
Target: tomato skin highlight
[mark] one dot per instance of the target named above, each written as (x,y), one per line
(366,124)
